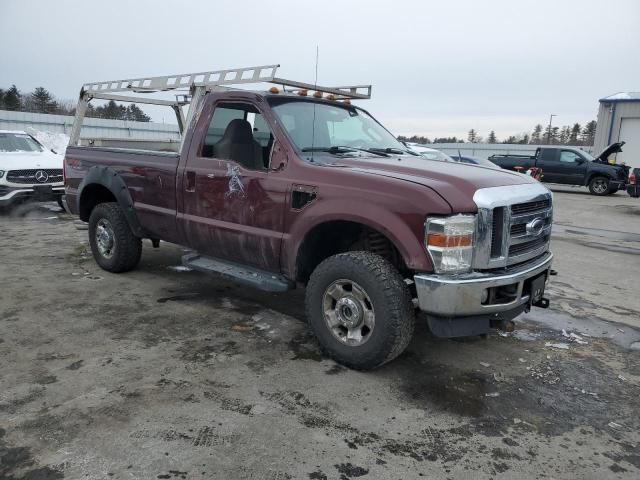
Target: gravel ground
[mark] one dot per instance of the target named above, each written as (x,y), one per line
(172,374)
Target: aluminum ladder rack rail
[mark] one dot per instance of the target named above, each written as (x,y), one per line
(198,84)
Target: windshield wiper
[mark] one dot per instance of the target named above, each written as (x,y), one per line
(337,149)
(399,151)
(333,150)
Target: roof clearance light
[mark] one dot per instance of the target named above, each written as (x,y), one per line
(303,92)
(274,90)
(347,101)
(317,94)
(331,96)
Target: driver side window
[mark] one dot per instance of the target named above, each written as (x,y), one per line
(568,156)
(238,132)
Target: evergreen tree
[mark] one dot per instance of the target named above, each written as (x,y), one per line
(575,132)
(472,136)
(43,101)
(1,99)
(589,133)
(536,136)
(492,137)
(565,132)
(136,114)
(525,139)
(13,99)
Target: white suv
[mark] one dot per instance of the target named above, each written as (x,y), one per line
(28,169)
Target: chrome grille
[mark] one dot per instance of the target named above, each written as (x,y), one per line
(514,225)
(53,175)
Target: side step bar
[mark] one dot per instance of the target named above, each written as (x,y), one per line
(255,277)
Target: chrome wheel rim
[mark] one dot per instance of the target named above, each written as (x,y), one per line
(348,312)
(105,238)
(600,186)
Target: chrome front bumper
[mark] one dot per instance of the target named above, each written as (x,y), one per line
(461,295)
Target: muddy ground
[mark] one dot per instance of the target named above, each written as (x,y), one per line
(170,374)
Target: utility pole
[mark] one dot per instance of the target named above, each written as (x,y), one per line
(549,130)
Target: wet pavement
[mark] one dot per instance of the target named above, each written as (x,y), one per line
(167,373)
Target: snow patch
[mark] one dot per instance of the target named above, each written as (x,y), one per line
(51,140)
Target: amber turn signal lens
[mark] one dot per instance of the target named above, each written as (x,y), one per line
(274,90)
(317,94)
(347,101)
(448,241)
(302,93)
(331,96)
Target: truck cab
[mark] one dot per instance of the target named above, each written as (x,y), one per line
(297,187)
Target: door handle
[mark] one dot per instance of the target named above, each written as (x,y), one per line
(190,182)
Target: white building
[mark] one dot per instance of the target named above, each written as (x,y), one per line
(619,121)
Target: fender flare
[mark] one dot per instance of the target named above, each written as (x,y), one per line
(112,181)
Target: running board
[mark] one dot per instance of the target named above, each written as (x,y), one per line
(255,277)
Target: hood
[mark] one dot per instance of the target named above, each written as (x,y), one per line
(610,150)
(30,160)
(455,182)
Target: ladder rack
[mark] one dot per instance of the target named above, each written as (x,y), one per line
(197,84)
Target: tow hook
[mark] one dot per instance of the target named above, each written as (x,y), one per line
(542,303)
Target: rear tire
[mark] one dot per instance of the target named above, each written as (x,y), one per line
(360,309)
(113,244)
(599,186)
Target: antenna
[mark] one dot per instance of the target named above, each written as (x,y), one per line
(313,125)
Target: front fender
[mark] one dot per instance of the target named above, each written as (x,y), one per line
(406,238)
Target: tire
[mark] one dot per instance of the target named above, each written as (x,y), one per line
(118,250)
(599,186)
(386,299)
(60,204)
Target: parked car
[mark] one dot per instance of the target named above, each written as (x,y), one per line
(473,160)
(572,166)
(430,153)
(633,187)
(28,170)
(279,189)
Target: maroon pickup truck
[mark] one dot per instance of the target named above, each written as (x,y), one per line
(283,188)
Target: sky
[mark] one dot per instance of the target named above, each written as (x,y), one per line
(437,68)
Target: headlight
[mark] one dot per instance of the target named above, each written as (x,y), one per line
(449,241)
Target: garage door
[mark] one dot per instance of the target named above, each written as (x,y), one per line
(630,133)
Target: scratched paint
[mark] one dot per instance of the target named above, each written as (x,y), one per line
(236,188)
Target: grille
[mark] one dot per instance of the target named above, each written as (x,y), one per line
(530,207)
(525,247)
(519,245)
(54,175)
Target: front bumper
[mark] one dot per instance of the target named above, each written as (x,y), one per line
(617,184)
(462,295)
(12,195)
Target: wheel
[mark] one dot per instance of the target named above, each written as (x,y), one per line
(599,186)
(360,309)
(113,244)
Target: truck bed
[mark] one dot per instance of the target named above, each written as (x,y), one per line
(149,176)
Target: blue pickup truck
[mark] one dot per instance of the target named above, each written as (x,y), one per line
(572,166)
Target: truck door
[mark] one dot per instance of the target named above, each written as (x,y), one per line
(548,161)
(572,168)
(233,206)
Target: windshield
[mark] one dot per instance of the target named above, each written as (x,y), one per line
(18,142)
(335,127)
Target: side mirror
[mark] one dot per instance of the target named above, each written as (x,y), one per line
(580,161)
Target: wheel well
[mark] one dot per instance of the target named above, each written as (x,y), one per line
(91,196)
(331,238)
(597,174)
